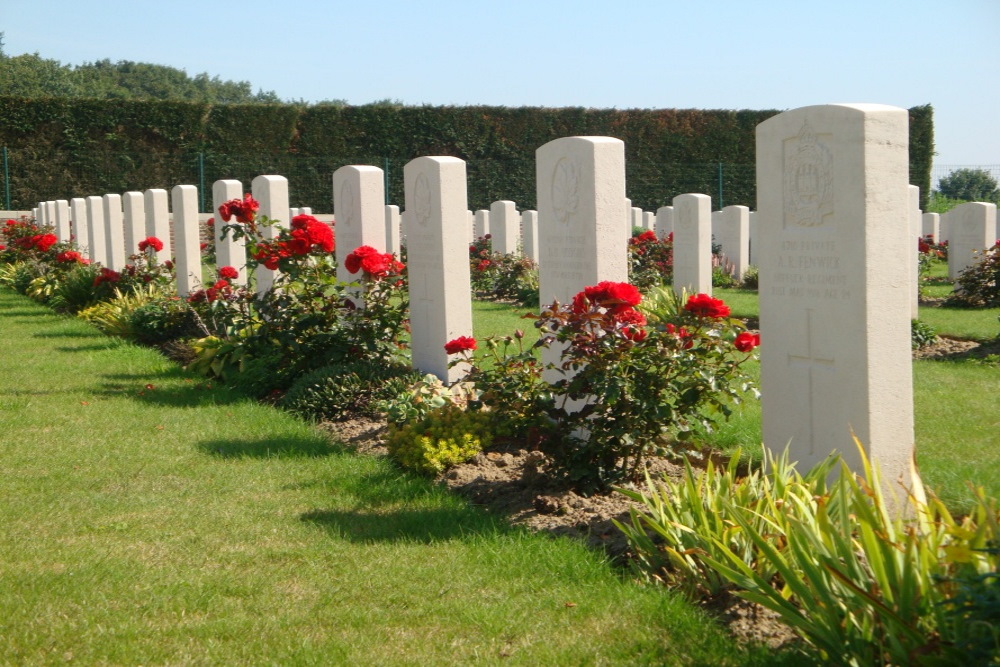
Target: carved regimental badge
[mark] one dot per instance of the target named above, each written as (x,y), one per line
(422,200)
(565,190)
(808,180)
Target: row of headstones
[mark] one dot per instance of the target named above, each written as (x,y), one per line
(837,269)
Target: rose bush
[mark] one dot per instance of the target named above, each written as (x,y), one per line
(635,376)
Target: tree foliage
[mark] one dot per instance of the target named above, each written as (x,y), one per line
(970,185)
(31,76)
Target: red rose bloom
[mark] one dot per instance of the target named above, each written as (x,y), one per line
(460,344)
(244,209)
(299,245)
(151,242)
(746,341)
(45,241)
(107,276)
(68,256)
(353,261)
(702,305)
(376,266)
(604,292)
(483,265)
(229,272)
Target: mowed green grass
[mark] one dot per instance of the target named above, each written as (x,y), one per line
(147,517)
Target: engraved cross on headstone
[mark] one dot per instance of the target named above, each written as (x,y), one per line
(812,360)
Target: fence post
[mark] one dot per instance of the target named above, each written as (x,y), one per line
(721,203)
(6,179)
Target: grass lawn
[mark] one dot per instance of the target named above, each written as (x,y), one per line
(148,517)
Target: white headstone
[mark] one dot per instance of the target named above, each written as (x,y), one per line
(438,261)
(50,214)
(932,226)
(95,230)
(184,200)
(505,226)
(581,192)
(63,232)
(229,251)
(835,285)
(693,244)
(636,220)
(664,221)
(754,237)
(529,228)
(42,216)
(78,226)
(482,223)
(649,221)
(581,208)
(733,234)
(972,228)
(271,192)
(158,220)
(359,207)
(134,212)
(392,224)
(114,232)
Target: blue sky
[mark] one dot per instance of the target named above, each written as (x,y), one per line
(725,54)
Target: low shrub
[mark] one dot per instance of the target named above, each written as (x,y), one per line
(921,334)
(979,285)
(630,380)
(448,435)
(346,390)
(859,583)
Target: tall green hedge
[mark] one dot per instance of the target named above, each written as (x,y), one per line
(58,148)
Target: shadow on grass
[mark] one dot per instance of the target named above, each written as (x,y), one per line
(422,525)
(89,347)
(271,448)
(163,388)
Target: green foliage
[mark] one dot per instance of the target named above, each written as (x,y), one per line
(161,320)
(60,146)
(861,585)
(650,259)
(939,203)
(751,278)
(621,390)
(77,290)
(505,277)
(921,149)
(681,522)
(446,436)
(115,316)
(346,390)
(416,401)
(979,285)
(921,334)
(974,613)
(31,76)
(970,185)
